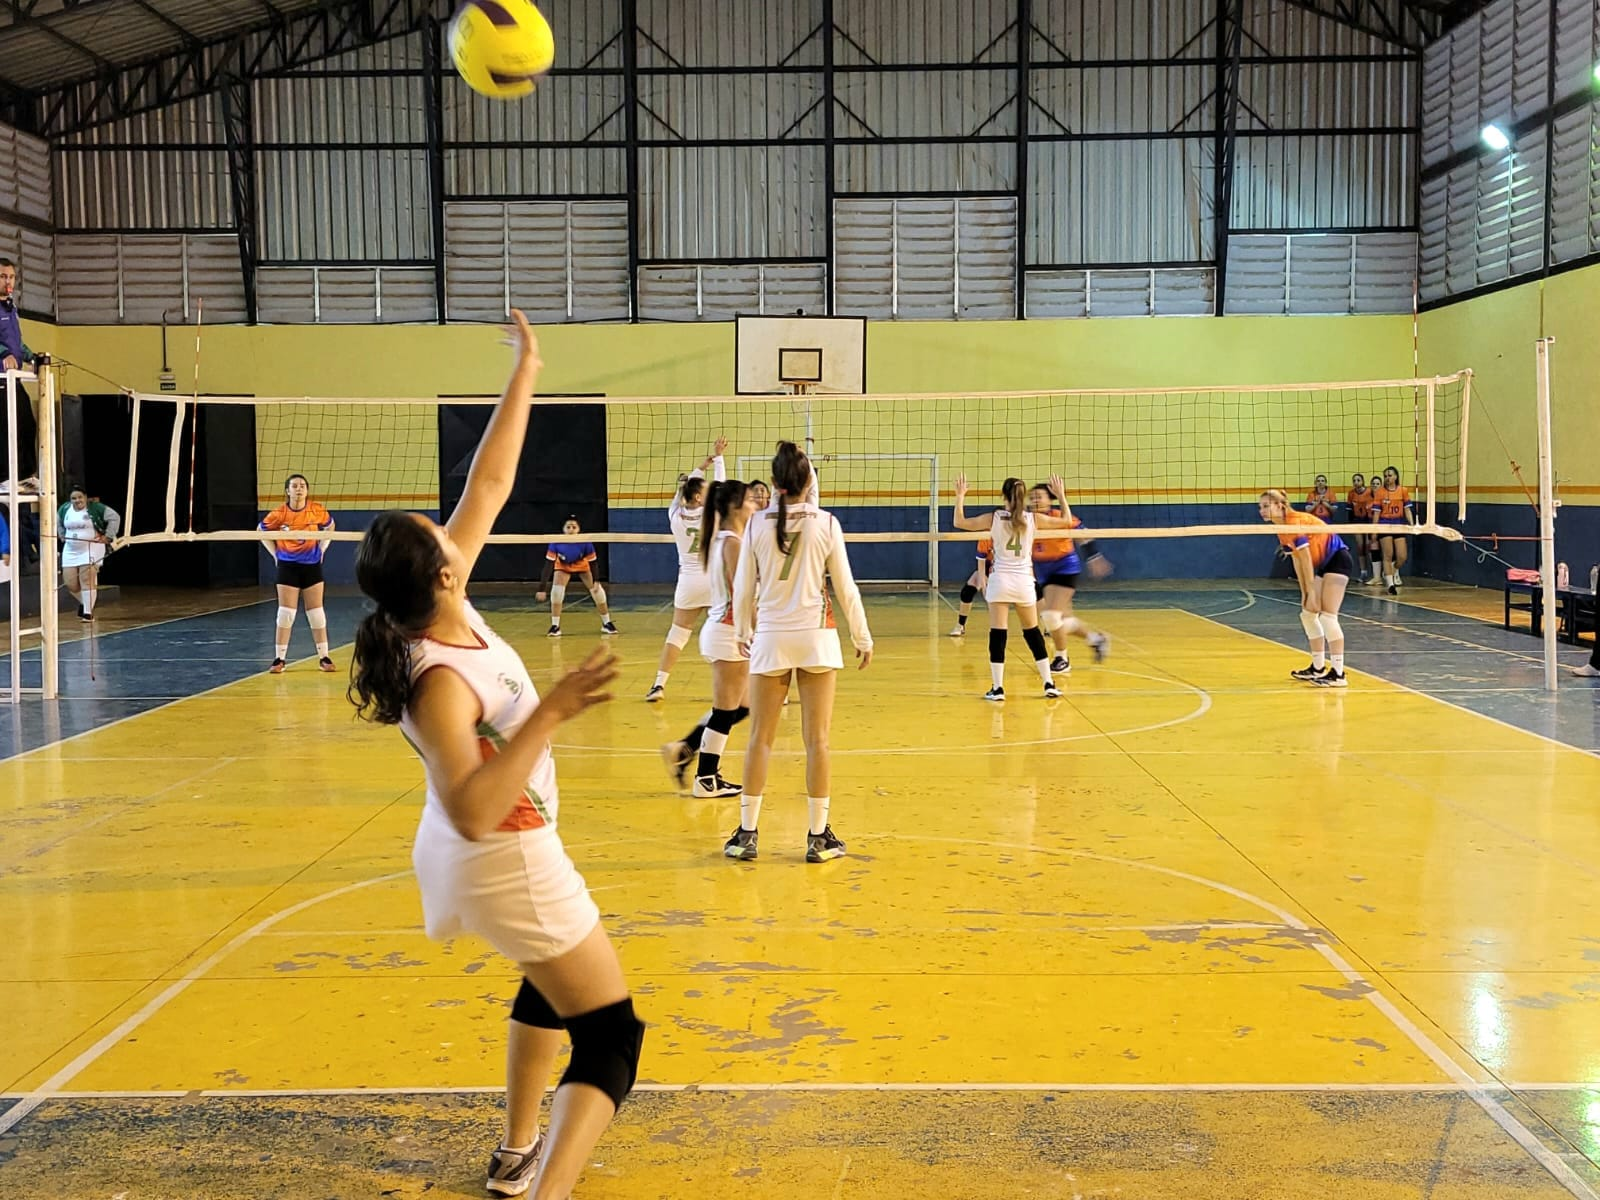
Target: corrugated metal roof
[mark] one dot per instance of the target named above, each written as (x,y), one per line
(60,41)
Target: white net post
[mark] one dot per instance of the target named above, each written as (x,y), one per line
(1547,509)
(133,465)
(1461,466)
(49,540)
(1432,451)
(43,501)
(14,502)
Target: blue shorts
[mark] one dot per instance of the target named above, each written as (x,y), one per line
(1045,572)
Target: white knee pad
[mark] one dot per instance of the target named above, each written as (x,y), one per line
(1051,620)
(317,618)
(679,635)
(558,593)
(1331,628)
(1312,624)
(285,617)
(598,595)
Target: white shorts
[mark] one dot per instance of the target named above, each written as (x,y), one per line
(517,891)
(775,652)
(694,591)
(1010,589)
(718,643)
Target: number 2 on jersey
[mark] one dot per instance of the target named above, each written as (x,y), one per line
(789,554)
(694,542)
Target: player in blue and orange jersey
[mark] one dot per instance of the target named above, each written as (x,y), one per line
(1360,500)
(1319,500)
(1395,514)
(563,561)
(299,568)
(1323,565)
(1057,565)
(974,585)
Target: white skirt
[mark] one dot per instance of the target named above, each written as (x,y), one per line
(517,891)
(1010,589)
(775,652)
(718,643)
(694,591)
(82,554)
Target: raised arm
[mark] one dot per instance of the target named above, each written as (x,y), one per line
(844,585)
(494,466)
(970,524)
(1058,487)
(719,467)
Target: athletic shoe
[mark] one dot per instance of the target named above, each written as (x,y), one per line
(1051,691)
(326,664)
(959,631)
(277,666)
(609,627)
(1331,678)
(555,631)
(741,845)
(714,787)
(820,847)
(997,694)
(80,610)
(1587,671)
(86,617)
(1375,581)
(677,756)
(1100,643)
(1060,666)
(510,1173)
(655,693)
(1394,589)
(1307,673)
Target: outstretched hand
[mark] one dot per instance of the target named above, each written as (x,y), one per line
(1059,487)
(582,687)
(718,446)
(961,484)
(524,339)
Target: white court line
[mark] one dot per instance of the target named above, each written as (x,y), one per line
(1478,1092)
(78,1065)
(1249,602)
(1392,627)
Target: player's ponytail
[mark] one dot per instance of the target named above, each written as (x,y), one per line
(1015,494)
(721,499)
(791,476)
(397,567)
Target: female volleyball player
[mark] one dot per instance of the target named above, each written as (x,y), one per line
(487,856)
(1393,502)
(299,568)
(762,494)
(1319,501)
(86,527)
(1057,564)
(1322,564)
(562,561)
(1359,500)
(1012,529)
(693,594)
(975,584)
(782,613)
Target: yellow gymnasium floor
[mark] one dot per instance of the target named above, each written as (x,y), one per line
(1191,931)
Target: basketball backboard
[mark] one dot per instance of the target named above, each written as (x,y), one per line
(787,354)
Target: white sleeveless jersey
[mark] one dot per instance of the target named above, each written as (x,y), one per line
(497,677)
(787,592)
(724,544)
(688,523)
(1013,549)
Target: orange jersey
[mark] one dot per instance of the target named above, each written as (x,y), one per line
(312,516)
(1320,505)
(986,550)
(1360,503)
(1056,548)
(1392,502)
(1321,544)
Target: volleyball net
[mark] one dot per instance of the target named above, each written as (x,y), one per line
(1138,464)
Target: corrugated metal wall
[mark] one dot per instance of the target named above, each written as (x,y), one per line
(1114,215)
(1485,214)
(25,215)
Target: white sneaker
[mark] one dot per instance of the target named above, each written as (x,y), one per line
(959,631)
(1587,671)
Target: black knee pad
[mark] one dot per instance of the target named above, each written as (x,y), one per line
(722,719)
(1035,639)
(969,594)
(740,714)
(605,1049)
(531,1008)
(997,645)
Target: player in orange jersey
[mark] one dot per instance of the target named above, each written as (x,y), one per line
(1322,564)
(974,585)
(299,568)
(1360,499)
(1395,514)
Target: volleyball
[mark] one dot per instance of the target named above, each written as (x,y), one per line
(501,46)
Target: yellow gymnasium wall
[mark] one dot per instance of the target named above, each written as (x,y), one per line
(365,458)
(1496,335)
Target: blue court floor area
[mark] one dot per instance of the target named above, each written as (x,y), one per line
(1466,662)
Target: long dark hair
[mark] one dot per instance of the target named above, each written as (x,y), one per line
(689,490)
(791,476)
(397,566)
(721,500)
(1015,493)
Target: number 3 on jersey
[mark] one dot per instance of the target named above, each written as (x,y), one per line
(789,554)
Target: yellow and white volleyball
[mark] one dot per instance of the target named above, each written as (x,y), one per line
(501,46)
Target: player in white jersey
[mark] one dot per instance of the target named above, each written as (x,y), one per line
(86,527)
(487,856)
(1011,530)
(781,611)
(693,594)
(728,510)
